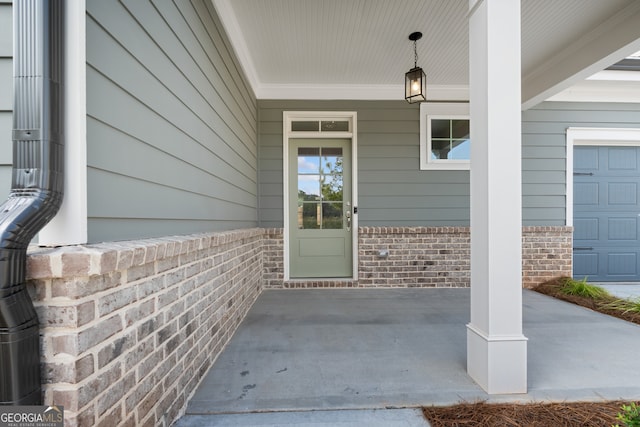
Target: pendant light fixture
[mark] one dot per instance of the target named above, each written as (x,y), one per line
(415,81)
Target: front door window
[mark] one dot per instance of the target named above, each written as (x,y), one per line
(320,188)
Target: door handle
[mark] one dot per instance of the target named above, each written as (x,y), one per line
(347,214)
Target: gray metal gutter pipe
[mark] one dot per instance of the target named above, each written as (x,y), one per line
(36,187)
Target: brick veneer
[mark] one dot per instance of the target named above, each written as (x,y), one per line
(547,252)
(129,328)
(418,256)
(430,257)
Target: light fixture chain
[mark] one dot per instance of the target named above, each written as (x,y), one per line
(415,54)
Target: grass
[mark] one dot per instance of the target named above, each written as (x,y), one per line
(623,305)
(582,288)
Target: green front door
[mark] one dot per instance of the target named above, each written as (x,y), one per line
(320,208)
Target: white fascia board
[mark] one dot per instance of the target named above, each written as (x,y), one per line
(601,91)
(357,92)
(606,44)
(616,76)
(236,38)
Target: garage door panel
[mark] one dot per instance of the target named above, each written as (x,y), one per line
(622,264)
(622,229)
(586,158)
(585,229)
(622,158)
(606,213)
(623,193)
(585,264)
(586,193)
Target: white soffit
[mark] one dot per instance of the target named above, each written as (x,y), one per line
(359,49)
(613,37)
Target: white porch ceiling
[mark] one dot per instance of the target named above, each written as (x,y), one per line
(359,49)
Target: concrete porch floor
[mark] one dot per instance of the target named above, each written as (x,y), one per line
(321,357)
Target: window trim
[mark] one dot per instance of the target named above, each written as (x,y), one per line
(440,110)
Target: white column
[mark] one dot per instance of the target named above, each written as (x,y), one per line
(69,226)
(496,347)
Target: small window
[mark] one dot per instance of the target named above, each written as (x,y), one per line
(445,136)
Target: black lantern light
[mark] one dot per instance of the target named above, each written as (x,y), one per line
(415,81)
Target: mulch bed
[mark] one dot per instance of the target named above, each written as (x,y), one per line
(482,414)
(552,288)
(578,414)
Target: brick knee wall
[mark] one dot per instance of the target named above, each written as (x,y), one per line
(429,257)
(130,328)
(417,256)
(547,252)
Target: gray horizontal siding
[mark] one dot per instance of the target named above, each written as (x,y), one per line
(392,190)
(6,95)
(6,153)
(171,123)
(544,147)
(6,81)
(6,30)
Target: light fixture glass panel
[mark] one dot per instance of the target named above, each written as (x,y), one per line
(415,86)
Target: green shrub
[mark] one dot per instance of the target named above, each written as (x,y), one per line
(583,289)
(630,415)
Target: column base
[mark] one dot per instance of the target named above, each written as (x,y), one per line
(498,363)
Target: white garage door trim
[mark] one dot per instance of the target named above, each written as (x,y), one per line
(594,136)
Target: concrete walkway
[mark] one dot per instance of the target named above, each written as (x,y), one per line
(629,290)
(347,357)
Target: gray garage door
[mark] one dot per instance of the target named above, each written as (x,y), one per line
(606,213)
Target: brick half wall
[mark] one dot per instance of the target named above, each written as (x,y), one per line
(129,329)
(428,257)
(547,252)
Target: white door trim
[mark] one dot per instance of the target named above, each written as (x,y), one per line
(287,134)
(594,136)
